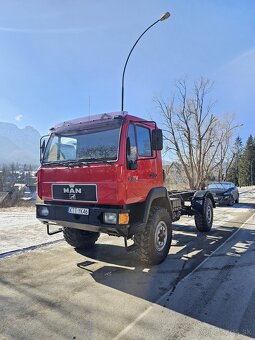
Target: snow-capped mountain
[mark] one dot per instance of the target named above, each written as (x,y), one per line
(18,145)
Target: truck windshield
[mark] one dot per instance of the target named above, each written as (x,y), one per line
(88,145)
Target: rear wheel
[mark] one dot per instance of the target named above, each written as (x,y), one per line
(154,242)
(204,221)
(80,239)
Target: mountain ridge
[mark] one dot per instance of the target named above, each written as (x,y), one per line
(19,144)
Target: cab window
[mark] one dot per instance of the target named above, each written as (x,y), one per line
(132,154)
(143,141)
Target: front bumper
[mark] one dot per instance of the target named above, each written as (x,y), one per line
(59,215)
(222,199)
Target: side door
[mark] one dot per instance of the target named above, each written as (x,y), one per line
(141,163)
(148,174)
(132,171)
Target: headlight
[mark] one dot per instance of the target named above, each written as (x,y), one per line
(110,218)
(43,211)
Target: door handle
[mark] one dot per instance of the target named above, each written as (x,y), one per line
(153,174)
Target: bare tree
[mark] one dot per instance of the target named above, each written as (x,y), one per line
(198,138)
(223,142)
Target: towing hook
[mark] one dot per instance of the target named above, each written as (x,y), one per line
(59,230)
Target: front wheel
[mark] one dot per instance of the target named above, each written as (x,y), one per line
(231,201)
(80,239)
(204,221)
(154,242)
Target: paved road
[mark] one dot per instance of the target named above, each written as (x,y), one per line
(204,289)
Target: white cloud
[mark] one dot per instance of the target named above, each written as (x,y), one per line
(19,118)
(244,57)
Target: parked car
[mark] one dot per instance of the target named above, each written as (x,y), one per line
(224,193)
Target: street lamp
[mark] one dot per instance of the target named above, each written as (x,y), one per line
(162,18)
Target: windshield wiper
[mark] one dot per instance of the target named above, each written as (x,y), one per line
(64,163)
(80,161)
(96,160)
(54,163)
(74,163)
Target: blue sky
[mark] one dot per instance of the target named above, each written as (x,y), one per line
(55,55)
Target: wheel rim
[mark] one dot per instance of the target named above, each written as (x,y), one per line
(160,235)
(209,214)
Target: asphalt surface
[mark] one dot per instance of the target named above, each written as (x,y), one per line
(204,289)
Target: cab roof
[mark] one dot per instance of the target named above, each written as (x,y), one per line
(91,120)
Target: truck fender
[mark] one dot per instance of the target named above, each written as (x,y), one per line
(156,194)
(198,199)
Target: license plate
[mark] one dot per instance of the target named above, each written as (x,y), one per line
(78,211)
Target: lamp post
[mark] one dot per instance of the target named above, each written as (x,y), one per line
(162,18)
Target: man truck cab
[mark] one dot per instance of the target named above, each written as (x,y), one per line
(103,174)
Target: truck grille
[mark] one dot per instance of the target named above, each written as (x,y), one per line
(75,192)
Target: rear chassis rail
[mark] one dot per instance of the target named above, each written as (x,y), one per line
(195,200)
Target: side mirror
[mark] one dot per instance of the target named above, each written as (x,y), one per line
(132,165)
(43,144)
(157,139)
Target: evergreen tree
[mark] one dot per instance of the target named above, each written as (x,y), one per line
(247,163)
(233,173)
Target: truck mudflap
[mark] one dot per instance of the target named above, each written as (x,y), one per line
(199,199)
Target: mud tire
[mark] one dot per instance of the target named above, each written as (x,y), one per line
(204,221)
(153,243)
(80,239)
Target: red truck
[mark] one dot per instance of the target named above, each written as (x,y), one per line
(103,174)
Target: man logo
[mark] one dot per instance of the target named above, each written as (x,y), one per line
(75,192)
(72,190)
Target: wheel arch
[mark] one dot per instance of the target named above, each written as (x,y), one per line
(199,197)
(156,197)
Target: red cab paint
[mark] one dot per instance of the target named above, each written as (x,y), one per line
(115,182)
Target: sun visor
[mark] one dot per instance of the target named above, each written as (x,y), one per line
(74,127)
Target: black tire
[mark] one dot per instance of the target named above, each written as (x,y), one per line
(80,239)
(204,221)
(237,200)
(154,242)
(231,201)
